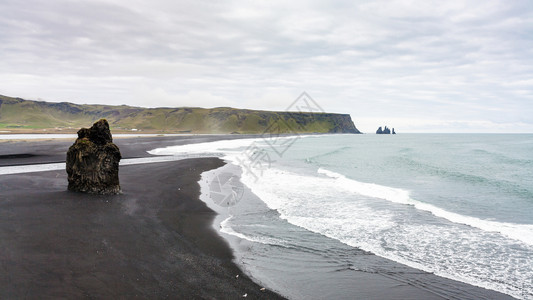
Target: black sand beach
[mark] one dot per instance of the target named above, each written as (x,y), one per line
(154,241)
(17,152)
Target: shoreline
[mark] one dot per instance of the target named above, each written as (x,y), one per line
(361,274)
(26,152)
(219,252)
(155,240)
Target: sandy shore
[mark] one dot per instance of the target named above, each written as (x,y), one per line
(154,241)
(21,152)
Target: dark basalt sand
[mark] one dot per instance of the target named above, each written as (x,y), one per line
(154,241)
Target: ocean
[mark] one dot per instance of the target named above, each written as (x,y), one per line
(303,210)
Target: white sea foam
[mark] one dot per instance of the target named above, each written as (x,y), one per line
(346,210)
(226,228)
(520,232)
(61,166)
(222,146)
(47,136)
(228,147)
(485,253)
(31,168)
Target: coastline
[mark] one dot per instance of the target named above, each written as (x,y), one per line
(25,152)
(174,236)
(293,272)
(153,241)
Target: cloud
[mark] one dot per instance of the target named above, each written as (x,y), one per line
(407,59)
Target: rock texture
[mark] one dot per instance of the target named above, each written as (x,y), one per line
(92,161)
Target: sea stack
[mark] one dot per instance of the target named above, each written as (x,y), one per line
(92,161)
(383,131)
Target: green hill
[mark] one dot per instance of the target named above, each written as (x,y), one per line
(19,114)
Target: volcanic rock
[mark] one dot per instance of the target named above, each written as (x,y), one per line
(92,161)
(383,131)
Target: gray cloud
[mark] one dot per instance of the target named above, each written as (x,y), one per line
(411,62)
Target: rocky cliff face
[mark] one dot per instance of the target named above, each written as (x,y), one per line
(344,124)
(318,122)
(92,161)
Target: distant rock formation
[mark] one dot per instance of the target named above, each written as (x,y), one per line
(393,132)
(92,161)
(383,131)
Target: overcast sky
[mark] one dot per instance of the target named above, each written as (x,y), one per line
(418,66)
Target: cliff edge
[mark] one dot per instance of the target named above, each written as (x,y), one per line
(17,115)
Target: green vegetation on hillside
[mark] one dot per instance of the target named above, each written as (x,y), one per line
(16,113)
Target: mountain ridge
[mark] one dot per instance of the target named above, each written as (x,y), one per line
(17,114)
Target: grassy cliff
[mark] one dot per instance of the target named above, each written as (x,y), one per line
(18,114)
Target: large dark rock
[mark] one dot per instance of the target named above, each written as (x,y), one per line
(92,161)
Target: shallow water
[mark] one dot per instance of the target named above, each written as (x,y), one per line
(457,205)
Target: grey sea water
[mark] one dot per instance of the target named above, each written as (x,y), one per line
(456,205)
